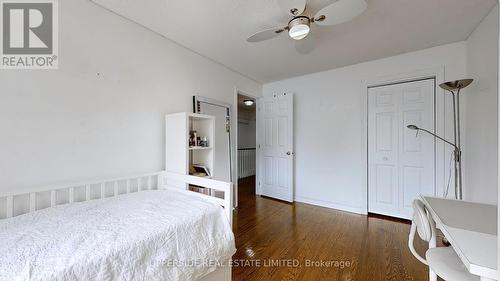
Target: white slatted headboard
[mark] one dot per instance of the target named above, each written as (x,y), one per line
(29,200)
(23,201)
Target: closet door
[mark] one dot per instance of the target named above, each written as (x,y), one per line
(383,150)
(401,164)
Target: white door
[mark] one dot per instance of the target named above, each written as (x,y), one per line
(401,165)
(275,146)
(222,155)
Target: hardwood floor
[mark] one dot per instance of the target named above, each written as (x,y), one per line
(269,231)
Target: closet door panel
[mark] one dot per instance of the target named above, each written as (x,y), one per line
(401,162)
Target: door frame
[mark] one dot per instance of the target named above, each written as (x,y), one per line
(257,165)
(229,108)
(440,165)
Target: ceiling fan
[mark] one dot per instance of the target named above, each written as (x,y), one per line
(300,25)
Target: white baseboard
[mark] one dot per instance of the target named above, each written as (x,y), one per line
(331,205)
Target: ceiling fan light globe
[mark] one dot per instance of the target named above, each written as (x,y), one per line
(299,31)
(299,27)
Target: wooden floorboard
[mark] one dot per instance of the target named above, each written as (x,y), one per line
(270,231)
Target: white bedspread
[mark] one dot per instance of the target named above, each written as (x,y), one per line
(149,235)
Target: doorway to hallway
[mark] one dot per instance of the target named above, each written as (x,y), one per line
(246,144)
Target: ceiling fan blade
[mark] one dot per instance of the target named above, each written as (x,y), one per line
(293,7)
(340,12)
(265,35)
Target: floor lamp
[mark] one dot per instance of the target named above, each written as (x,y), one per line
(454,88)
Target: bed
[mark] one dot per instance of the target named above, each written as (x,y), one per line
(137,228)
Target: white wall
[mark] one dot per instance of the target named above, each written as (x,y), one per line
(481,139)
(102,113)
(329,130)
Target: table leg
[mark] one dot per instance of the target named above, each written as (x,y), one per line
(432,244)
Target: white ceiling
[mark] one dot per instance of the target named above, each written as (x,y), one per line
(218,30)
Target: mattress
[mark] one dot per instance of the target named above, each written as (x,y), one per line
(149,235)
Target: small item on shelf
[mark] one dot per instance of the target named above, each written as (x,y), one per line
(204,142)
(199,170)
(196,172)
(196,141)
(193,135)
(191,170)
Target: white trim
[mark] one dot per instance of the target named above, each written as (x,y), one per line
(438,73)
(258,189)
(330,205)
(235,182)
(498,142)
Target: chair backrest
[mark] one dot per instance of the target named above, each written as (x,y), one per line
(421,220)
(420,224)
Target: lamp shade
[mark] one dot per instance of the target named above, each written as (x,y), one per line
(455,85)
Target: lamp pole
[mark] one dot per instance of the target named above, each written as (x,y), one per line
(453,86)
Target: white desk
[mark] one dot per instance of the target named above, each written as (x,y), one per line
(471,228)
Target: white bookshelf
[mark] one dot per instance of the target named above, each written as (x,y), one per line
(179,156)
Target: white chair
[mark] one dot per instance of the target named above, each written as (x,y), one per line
(442,261)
